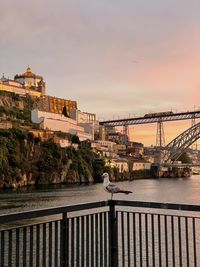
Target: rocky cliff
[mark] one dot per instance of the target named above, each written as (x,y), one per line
(26,160)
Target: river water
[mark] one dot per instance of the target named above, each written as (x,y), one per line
(179,190)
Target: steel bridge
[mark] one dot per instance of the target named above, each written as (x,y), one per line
(152,118)
(177,146)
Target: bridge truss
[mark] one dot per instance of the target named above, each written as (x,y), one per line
(177,146)
(152,119)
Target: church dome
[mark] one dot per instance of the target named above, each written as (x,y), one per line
(28,74)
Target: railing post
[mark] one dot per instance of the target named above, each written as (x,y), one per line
(64,241)
(113,235)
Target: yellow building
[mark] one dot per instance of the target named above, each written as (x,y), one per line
(56,105)
(34,85)
(26,83)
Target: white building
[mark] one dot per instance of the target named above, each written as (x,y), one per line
(58,122)
(85,120)
(26,83)
(120,164)
(29,79)
(141,165)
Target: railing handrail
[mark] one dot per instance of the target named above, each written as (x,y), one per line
(51,211)
(158,205)
(92,205)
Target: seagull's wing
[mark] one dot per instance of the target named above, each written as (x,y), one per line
(112,188)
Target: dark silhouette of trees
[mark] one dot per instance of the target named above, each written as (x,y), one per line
(64,112)
(185,158)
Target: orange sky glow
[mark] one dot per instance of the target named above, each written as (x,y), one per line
(147,133)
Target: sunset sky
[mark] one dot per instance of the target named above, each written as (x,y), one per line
(116,58)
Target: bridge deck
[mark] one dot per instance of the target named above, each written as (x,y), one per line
(153,119)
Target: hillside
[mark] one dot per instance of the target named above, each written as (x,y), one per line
(27,160)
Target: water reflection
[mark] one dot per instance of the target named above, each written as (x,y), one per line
(181,190)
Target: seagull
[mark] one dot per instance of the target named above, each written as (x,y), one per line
(112,188)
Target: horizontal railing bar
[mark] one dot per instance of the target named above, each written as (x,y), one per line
(156,205)
(51,211)
(28,225)
(104,212)
(161,214)
(92,205)
(46,222)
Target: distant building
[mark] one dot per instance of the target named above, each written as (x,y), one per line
(34,85)
(137,164)
(107,144)
(55,105)
(135,149)
(123,164)
(120,149)
(100,132)
(107,148)
(86,120)
(26,83)
(116,137)
(31,81)
(120,164)
(82,117)
(58,122)
(141,165)
(151,154)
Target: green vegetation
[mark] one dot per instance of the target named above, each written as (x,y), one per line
(63,135)
(15,113)
(23,155)
(25,159)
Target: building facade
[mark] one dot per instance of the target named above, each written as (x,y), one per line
(31,81)
(58,122)
(34,85)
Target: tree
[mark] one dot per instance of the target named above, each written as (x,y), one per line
(64,112)
(184,158)
(98,167)
(75,139)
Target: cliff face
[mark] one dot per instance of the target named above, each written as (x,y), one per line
(12,100)
(8,101)
(25,160)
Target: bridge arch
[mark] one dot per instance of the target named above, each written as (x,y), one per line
(177,146)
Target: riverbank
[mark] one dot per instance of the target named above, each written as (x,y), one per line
(115,175)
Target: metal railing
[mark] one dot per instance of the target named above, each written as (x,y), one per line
(106,233)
